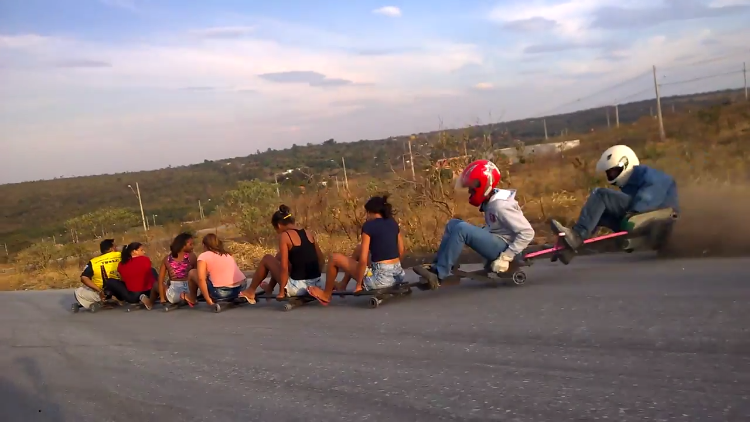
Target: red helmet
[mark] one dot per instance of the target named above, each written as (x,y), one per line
(480,177)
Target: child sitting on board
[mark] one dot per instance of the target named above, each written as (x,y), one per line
(506,233)
(643,189)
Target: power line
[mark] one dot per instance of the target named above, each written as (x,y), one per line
(700,78)
(594,94)
(736,53)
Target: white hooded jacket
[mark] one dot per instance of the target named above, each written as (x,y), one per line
(503,217)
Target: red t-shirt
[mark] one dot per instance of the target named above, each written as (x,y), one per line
(137,274)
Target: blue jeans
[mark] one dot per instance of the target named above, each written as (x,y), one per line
(459,233)
(224,293)
(605,208)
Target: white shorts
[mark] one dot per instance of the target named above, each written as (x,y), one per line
(175,289)
(299,287)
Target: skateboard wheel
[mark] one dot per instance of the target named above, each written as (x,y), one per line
(374,302)
(75,308)
(288,307)
(94,307)
(217,308)
(519,278)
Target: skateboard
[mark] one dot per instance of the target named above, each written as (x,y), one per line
(96,306)
(378,296)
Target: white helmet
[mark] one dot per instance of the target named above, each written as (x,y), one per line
(617,162)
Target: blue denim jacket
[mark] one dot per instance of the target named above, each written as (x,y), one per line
(650,189)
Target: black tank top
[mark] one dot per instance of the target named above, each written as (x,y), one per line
(303,259)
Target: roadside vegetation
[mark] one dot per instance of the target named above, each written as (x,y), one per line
(706,145)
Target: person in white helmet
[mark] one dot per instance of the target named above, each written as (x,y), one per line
(642,189)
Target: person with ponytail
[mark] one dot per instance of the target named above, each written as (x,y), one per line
(382,242)
(177,266)
(137,277)
(218,277)
(296,267)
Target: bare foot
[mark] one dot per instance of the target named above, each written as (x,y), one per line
(319,294)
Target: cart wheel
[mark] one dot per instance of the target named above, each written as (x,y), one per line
(374,302)
(519,278)
(288,307)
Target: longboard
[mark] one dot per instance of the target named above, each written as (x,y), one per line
(378,296)
(96,306)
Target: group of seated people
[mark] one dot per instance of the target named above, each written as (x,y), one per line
(298,266)
(128,276)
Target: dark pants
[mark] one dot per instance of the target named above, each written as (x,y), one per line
(603,208)
(121,292)
(118,289)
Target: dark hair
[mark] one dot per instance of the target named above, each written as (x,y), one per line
(106,245)
(179,243)
(127,252)
(212,243)
(283,215)
(379,205)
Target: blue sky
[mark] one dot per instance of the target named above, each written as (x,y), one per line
(151,83)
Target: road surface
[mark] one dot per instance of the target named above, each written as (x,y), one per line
(617,338)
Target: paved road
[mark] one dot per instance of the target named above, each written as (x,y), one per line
(618,338)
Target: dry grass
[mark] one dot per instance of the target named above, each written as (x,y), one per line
(706,153)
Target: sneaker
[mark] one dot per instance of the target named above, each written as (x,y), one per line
(429,273)
(569,236)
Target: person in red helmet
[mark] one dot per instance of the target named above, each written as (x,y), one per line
(506,233)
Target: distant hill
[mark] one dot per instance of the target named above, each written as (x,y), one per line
(32,210)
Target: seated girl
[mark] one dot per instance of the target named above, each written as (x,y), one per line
(382,239)
(137,277)
(218,276)
(177,266)
(296,267)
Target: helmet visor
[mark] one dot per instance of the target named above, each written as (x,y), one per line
(613,173)
(463,183)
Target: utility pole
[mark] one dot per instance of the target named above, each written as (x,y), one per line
(617,115)
(200,210)
(276,181)
(662,135)
(545,129)
(744,75)
(6,249)
(154,217)
(411,160)
(346,178)
(140,204)
(608,126)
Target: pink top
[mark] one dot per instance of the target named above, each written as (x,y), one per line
(222,269)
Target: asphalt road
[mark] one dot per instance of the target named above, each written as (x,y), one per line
(618,338)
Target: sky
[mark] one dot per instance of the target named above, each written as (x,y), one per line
(105,86)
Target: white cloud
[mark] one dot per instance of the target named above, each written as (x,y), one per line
(391,11)
(484,85)
(24,41)
(223,31)
(571,16)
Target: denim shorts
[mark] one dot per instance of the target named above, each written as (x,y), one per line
(299,287)
(224,293)
(175,289)
(381,276)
